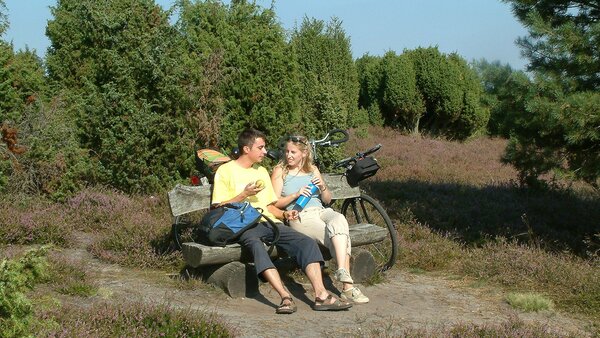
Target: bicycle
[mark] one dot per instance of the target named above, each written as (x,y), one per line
(364,208)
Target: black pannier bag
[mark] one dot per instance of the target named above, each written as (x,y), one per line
(363,169)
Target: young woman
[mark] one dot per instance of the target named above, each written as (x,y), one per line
(291,179)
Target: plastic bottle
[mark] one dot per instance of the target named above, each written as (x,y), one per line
(302,200)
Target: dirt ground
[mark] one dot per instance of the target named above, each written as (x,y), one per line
(403,301)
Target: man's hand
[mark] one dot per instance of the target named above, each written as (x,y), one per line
(252,189)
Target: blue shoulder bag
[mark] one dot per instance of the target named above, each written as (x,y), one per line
(227,223)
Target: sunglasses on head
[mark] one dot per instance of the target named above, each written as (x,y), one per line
(297,139)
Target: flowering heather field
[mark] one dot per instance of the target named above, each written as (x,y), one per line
(464,191)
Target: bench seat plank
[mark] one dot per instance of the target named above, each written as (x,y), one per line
(196,254)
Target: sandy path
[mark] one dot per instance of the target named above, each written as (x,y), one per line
(404,301)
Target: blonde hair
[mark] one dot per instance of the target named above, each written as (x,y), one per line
(307,164)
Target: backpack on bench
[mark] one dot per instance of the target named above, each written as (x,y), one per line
(225,224)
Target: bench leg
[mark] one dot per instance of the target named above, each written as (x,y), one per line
(236,279)
(362,265)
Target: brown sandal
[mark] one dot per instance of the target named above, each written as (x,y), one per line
(286,308)
(321,305)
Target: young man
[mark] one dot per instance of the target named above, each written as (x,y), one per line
(244,179)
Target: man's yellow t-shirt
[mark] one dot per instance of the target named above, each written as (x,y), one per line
(231,179)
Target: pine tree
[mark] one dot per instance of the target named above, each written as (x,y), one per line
(561,130)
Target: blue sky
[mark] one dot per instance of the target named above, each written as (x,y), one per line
(473,28)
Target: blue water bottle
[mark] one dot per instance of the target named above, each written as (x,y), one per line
(302,200)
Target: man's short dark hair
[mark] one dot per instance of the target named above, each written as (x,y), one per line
(247,138)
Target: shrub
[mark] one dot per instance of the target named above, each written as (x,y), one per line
(33,220)
(52,162)
(98,209)
(132,231)
(16,276)
(422,248)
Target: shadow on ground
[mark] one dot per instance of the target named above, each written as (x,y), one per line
(554,220)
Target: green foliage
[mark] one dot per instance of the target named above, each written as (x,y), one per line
(22,82)
(505,93)
(3,18)
(402,103)
(118,65)
(16,277)
(360,119)
(561,131)
(53,163)
(473,117)
(328,77)
(370,78)
(563,40)
(423,89)
(561,135)
(259,88)
(9,96)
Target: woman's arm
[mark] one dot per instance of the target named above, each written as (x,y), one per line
(277,181)
(323,189)
(283,215)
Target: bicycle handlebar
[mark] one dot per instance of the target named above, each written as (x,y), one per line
(350,161)
(370,151)
(326,142)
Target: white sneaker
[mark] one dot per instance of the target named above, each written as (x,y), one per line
(354,295)
(343,276)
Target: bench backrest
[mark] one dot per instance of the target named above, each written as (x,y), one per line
(184,199)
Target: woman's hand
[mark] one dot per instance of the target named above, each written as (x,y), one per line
(304,191)
(319,183)
(291,215)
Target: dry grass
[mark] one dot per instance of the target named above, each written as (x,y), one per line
(529,302)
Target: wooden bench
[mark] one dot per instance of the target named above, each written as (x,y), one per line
(230,267)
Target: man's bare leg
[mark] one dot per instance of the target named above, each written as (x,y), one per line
(313,272)
(272,276)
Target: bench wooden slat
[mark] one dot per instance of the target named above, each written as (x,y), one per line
(196,254)
(340,189)
(184,199)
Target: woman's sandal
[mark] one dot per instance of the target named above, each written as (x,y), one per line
(286,308)
(322,305)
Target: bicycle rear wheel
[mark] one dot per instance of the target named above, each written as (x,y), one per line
(184,228)
(365,209)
